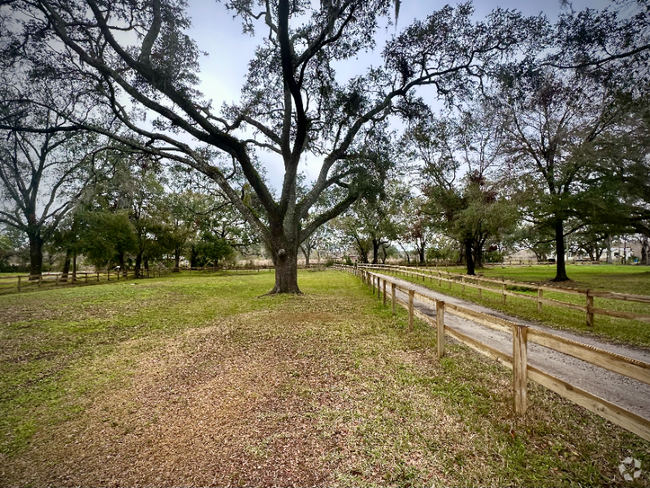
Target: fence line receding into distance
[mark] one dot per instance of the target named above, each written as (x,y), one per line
(480,283)
(517,361)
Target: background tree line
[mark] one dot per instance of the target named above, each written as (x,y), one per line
(473,136)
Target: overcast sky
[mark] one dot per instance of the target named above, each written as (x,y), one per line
(229,50)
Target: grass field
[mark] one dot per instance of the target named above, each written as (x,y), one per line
(621,279)
(197,380)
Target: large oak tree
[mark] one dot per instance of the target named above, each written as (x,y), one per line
(42,176)
(134,58)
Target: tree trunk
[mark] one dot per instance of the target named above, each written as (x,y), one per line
(478,260)
(469,257)
(74,267)
(285,260)
(363,253)
(375,251)
(193,257)
(66,265)
(609,250)
(177,260)
(421,253)
(35,256)
(560,273)
(120,260)
(138,264)
(306,251)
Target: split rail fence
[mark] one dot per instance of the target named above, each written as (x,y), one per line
(482,284)
(19,283)
(522,263)
(518,360)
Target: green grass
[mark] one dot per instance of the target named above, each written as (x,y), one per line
(606,277)
(201,380)
(621,279)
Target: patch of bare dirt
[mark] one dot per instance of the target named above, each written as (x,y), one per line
(200,411)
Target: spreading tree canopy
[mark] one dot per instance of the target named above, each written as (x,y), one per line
(134,59)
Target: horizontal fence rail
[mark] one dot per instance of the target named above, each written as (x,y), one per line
(518,361)
(18,283)
(482,284)
(518,263)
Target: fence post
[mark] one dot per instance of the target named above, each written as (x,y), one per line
(503,290)
(540,295)
(97,276)
(86,276)
(372,278)
(109,275)
(40,280)
(440,326)
(411,296)
(462,279)
(19,283)
(520,367)
(439,278)
(378,287)
(590,309)
(392,296)
(480,290)
(384,293)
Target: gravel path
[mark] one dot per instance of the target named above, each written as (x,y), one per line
(628,393)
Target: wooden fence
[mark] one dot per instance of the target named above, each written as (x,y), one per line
(531,262)
(215,269)
(315,267)
(481,284)
(18,283)
(516,263)
(518,361)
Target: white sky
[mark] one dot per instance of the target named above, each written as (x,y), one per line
(223,71)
